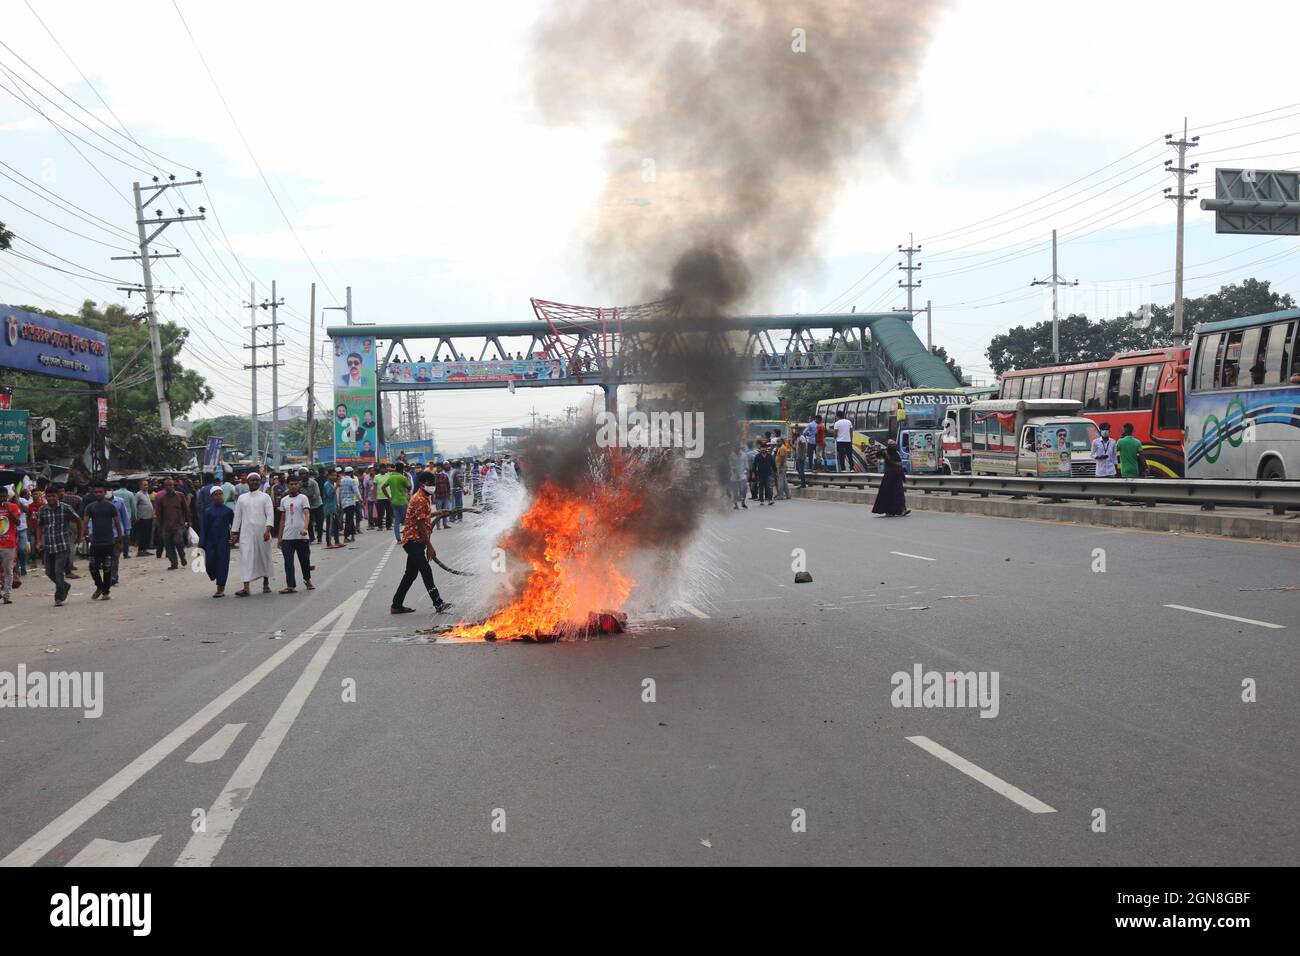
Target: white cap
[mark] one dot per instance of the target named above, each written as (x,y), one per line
(348,469)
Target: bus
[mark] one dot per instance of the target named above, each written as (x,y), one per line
(881,416)
(1142,389)
(1243,398)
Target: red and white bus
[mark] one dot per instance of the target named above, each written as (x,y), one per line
(1144,389)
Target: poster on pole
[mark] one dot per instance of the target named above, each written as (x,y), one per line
(356,419)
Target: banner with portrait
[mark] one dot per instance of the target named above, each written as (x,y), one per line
(356,390)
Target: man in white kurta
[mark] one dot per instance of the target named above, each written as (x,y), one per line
(254,522)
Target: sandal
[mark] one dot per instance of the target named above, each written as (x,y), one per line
(288,590)
(244,593)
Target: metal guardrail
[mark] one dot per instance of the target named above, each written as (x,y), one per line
(1207,494)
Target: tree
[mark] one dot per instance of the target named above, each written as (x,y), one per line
(134,427)
(940,352)
(1085,341)
(5,236)
(802,395)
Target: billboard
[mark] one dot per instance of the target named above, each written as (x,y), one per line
(44,346)
(494,370)
(15,438)
(419,451)
(356,416)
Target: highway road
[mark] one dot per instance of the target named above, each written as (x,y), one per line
(319,729)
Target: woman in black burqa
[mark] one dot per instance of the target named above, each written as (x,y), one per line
(890,500)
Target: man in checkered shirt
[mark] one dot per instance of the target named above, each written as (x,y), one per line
(57,526)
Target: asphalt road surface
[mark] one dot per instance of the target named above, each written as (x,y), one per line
(313,728)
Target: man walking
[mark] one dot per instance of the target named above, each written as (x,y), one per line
(419,551)
(103,528)
(383,504)
(763,470)
(739,463)
(442,495)
(10,515)
(57,526)
(172,512)
(782,463)
(399,494)
(458,489)
(316,514)
(127,497)
(296,512)
(253,523)
(349,493)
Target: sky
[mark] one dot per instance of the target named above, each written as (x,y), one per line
(395,148)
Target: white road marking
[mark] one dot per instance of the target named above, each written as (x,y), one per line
(84,809)
(224,813)
(996,784)
(10,627)
(777,530)
(215,747)
(111,853)
(692,609)
(1226,617)
(919,557)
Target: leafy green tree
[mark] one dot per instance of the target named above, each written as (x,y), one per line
(1084,341)
(5,236)
(133,423)
(940,352)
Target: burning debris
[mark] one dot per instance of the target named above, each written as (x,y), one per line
(748,117)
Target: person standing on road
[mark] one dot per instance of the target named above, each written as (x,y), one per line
(458,490)
(103,529)
(1129,450)
(398,486)
(821,443)
(296,513)
(891,501)
(307,482)
(215,536)
(843,442)
(1104,453)
(782,463)
(348,495)
(419,550)
(123,544)
(330,500)
(810,439)
(10,515)
(254,522)
(739,462)
(127,497)
(57,526)
(801,458)
(383,505)
(143,519)
(442,495)
(172,512)
(368,492)
(763,469)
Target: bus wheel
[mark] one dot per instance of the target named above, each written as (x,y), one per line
(1272,470)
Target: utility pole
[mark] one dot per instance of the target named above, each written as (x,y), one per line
(253,327)
(311,379)
(1054,282)
(1181,198)
(909,285)
(155,190)
(348,306)
(929,327)
(274,326)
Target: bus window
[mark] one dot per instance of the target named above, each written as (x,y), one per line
(1251,367)
(1076,390)
(1207,361)
(1034,386)
(1090,391)
(1124,395)
(859,417)
(1011,387)
(1231,361)
(1111,384)
(1053,388)
(1168,415)
(1147,390)
(978,432)
(1277,353)
(874,419)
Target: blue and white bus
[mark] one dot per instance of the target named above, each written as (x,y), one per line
(1243,398)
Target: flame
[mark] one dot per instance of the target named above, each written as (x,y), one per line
(574,541)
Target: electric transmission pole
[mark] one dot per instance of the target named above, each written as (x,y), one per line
(1181,198)
(1054,281)
(909,285)
(155,190)
(311,379)
(274,326)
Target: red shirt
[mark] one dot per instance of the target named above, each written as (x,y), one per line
(821,434)
(9,517)
(419,520)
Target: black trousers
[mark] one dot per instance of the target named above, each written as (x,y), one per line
(385,508)
(101,566)
(143,531)
(844,455)
(302,549)
(316,529)
(416,565)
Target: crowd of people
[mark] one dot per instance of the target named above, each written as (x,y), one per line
(56,523)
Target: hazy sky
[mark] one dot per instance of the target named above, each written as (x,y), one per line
(401,141)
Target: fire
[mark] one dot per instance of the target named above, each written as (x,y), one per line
(574,541)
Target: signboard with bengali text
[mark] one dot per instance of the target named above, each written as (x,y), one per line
(15,437)
(35,343)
